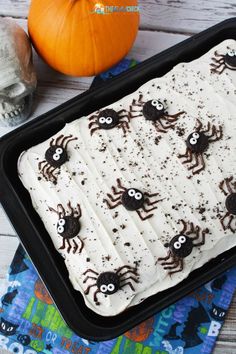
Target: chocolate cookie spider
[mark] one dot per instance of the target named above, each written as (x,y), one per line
(132,199)
(68,226)
(223,61)
(181,246)
(55,156)
(197,143)
(109,283)
(107,119)
(154,111)
(228,187)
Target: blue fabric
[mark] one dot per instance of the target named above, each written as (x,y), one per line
(31,324)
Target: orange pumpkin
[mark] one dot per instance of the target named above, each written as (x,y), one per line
(73,37)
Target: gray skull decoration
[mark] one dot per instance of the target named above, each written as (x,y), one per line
(17,74)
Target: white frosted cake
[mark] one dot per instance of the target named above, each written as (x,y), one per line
(137,195)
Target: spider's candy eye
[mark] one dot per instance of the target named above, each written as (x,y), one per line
(56,157)
(193,141)
(109,120)
(110,287)
(160,106)
(154,103)
(60,229)
(195,135)
(102,120)
(59,151)
(231,53)
(177,245)
(131,192)
(103,288)
(138,196)
(61,222)
(182,239)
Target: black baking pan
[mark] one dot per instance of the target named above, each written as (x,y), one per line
(29,227)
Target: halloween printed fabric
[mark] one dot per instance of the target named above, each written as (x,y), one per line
(31,324)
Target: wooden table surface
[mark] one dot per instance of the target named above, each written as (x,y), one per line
(163,23)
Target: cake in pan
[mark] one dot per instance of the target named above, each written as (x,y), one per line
(140,193)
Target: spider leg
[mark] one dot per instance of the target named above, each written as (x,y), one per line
(46,172)
(218,55)
(75,246)
(185,226)
(181,264)
(221,186)
(158,127)
(165,126)
(40,164)
(87,278)
(189,156)
(79,211)
(91,124)
(94,116)
(129,283)
(45,167)
(154,202)
(53,210)
(112,198)
(140,99)
(88,288)
(115,191)
(57,141)
(51,142)
(228,225)
(198,125)
(216,134)
(201,164)
(151,194)
(93,130)
(122,111)
(63,244)
(95,298)
(216,61)
(61,210)
(144,217)
(204,232)
(133,272)
(148,210)
(196,230)
(124,126)
(173,117)
(54,178)
(110,206)
(215,69)
(70,209)
(227,181)
(208,128)
(82,245)
(127,267)
(90,270)
(174,262)
(130,278)
(165,258)
(118,181)
(68,141)
(69,246)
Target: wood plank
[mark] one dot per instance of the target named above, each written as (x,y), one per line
(185,16)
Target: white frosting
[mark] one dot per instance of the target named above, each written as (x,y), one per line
(144,162)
